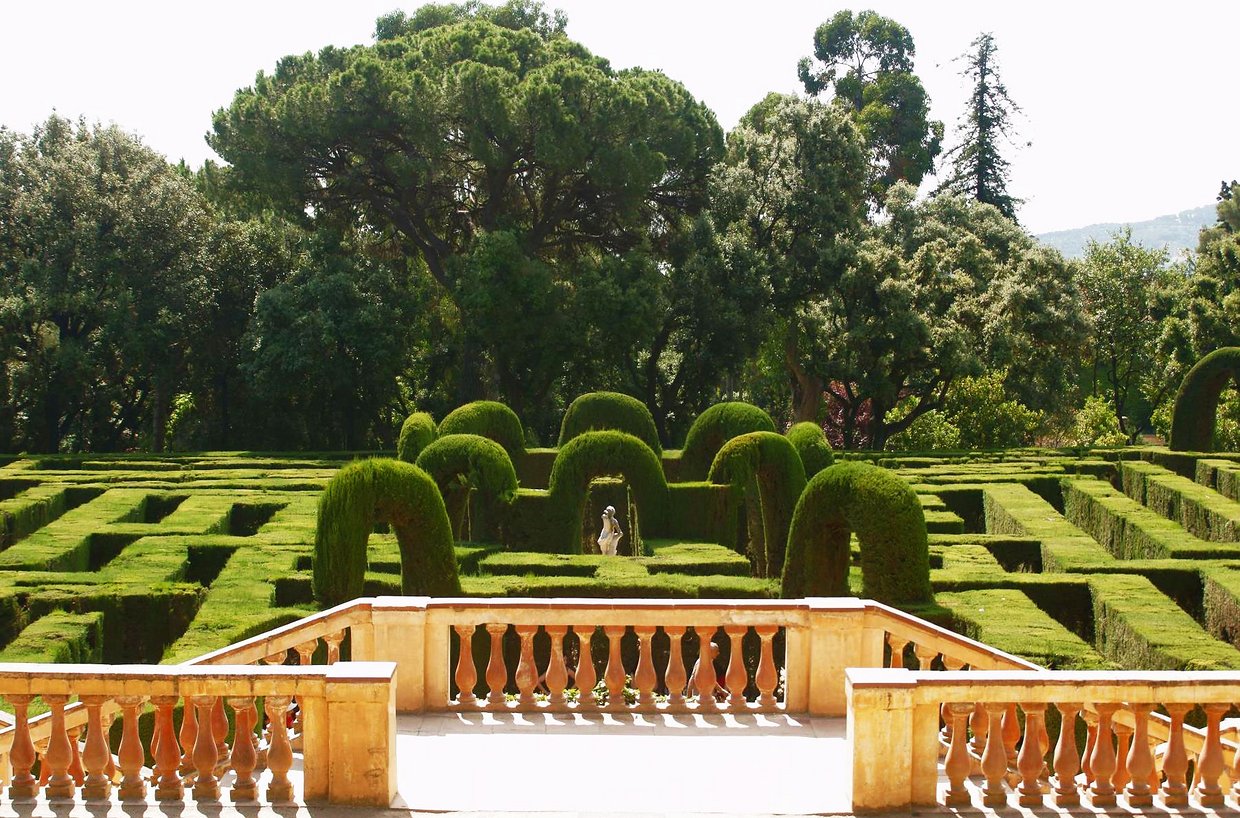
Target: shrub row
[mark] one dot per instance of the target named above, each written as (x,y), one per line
(1199,510)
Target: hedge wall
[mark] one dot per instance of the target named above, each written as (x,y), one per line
(602,411)
(715,427)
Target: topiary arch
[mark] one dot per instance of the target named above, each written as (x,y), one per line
(600,411)
(1196,404)
(490,419)
(381,490)
(416,433)
(767,460)
(462,463)
(715,427)
(604,454)
(811,444)
(885,514)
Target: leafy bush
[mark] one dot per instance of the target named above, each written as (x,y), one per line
(1096,424)
(811,444)
(600,411)
(416,433)
(977,413)
(489,419)
(715,427)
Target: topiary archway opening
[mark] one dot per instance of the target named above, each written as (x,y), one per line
(885,514)
(465,465)
(1196,404)
(604,454)
(400,494)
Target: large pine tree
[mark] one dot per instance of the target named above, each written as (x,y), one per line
(976,168)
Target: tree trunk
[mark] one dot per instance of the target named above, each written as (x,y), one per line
(806,386)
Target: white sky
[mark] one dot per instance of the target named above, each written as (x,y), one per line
(1130,108)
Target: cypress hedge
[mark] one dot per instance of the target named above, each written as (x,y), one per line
(884,512)
(416,433)
(380,490)
(601,411)
(715,427)
(1196,404)
(460,464)
(489,419)
(811,444)
(768,460)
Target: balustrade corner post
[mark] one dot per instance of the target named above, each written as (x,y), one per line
(357,735)
(838,636)
(401,635)
(885,750)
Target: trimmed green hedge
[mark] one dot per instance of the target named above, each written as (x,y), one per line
(1196,404)
(489,419)
(416,433)
(715,427)
(400,494)
(1202,512)
(59,638)
(603,411)
(461,464)
(884,512)
(1007,619)
(1011,508)
(811,444)
(768,461)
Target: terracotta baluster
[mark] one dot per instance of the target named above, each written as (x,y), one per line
(925,656)
(614,673)
(96,786)
(1091,738)
(133,787)
(305,656)
(1045,738)
(59,753)
(107,731)
(188,738)
(1175,759)
(333,641)
(645,678)
(280,753)
(737,677)
(705,680)
(466,673)
(1030,760)
(21,754)
(206,785)
(1210,765)
(276,658)
(526,676)
(244,754)
(497,670)
(584,676)
(1140,759)
(767,676)
(1123,740)
(557,671)
(958,763)
(45,770)
(219,731)
(168,785)
(1067,760)
(945,735)
(897,645)
(994,757)
(675,676)
(76,770)
(1102,761)
(979,723)
(1011,736)
(305,651)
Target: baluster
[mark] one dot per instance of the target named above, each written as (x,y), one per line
(736,677)
(1011,736)
(244,754)
(1067,760)
(958,763)
(466,673)
(1140,759)
(705,680)
(1102,762)
(1175,759)
(1029,762)
(76,771)
(333,641)
(277,658)
(219,731)
(45,770)
(1211,765)
(497,670)
(945,735)
(280,753)
(206,785)
(1091,738)
(21,754)
(925,656)
(614,674)
(1123,738)
(994,758)
(767,677)
(896,660)
(188,737)
(557,671)
(110,770)
(644,679)
(168,786)
(305,651)
(59,753)
(133,787)
(979,723)
(675,676)
(584,676)
(527,672)
(96,785)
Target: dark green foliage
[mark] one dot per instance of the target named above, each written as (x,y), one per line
(604,454)
(1196,404)
(767,460)
(489,419)
(702,511)
(599,411)
(811,444)
(400,494)
(416,433)
(59,638)
(885,514)
(715,427)
(461,464)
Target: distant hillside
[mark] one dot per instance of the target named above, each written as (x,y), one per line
(1176,232)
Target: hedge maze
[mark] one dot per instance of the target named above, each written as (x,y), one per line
(1123,558)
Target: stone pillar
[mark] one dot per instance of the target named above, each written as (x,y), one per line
(895,747)
(421,657)
(835,638)
(359,733)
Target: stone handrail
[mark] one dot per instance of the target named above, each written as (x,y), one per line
(894,719)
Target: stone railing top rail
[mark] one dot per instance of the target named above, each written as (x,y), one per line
(1161,687)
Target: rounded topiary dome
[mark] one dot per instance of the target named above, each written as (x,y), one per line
(601,411)
(811,444)
(1196,404)
(416,433)
(490,419)
(715,427)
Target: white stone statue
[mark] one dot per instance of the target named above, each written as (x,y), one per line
(609,537)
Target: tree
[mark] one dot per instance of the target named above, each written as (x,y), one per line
(977,169)
(867,62)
